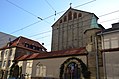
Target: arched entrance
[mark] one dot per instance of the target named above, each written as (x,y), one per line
(74,68)
(72,71)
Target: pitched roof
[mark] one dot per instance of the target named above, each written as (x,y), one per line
(20,42)
(74,10)
(53,54)
(113,29)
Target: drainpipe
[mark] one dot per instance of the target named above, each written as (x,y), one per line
(104,59)
(96,54)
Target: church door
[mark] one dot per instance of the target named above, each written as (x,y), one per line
(72,71)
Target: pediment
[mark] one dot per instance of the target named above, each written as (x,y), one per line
(71,14)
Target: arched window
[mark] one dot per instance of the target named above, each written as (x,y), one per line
(65,18)
(75,15)
(79,15)
(29,68)
(40,70)
(61,21)
(70,15)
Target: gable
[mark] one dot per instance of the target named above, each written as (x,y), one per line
(25,43)
(72,14)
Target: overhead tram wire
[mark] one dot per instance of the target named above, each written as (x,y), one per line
(85,3)
(22,28)
(27,11)
(50,5)
(50,31)
(59,13)
(109,13)
(109,20)
(64,11)
(25,27)
(39,17)
(51,15)
(52,8)
(22,9)
(40,33)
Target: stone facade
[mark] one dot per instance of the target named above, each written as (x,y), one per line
(69,33)
(79,32)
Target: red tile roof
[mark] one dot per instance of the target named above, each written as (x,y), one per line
(20,42)
(61,53)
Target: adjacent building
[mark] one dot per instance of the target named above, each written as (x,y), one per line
(18,47)
(5,38)
(110,51)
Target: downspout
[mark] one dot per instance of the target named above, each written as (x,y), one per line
(104,60)
(96,54)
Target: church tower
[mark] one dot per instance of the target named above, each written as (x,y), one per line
(68,30)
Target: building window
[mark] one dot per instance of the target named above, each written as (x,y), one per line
(34,47)
(41,70)
(28,53)
(4,63)
(91,39)
(70,15)
(75,15)
(31,46)
(9,63)
(61,21)
(106,44)
(79,15)
(29,68)
(10,52)
(65,18)
(114,43)
(6,52)
(2,53)
(27,45)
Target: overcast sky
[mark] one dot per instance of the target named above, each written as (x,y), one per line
(33,18)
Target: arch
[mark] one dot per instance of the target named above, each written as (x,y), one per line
(61,21)
(77,63)
(79,15)
(65,18)
(75,15)
(40,70)
(70,15)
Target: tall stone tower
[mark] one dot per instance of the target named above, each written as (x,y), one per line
(75,29)
(68,30)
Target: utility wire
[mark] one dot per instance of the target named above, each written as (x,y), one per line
(24,9)
(109,20)
(40,33)
(25,27)
(53,15)
(50,5)
(50,30)
(65,10)
(85,3)
(109,13)
(22,28)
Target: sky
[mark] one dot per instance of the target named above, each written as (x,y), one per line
(33,18)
